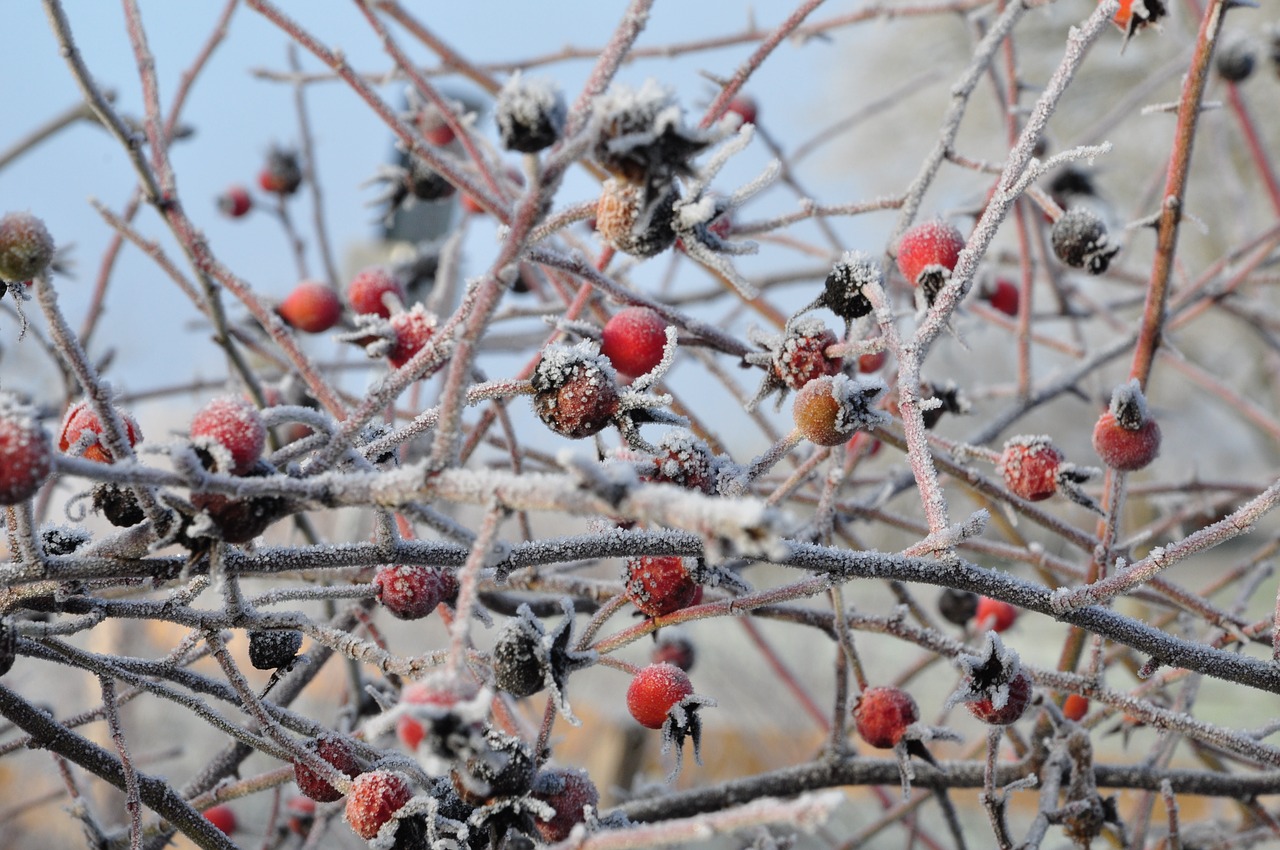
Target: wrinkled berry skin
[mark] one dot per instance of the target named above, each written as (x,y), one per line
(573,394)
(270,649)
(1080,240)
(516,666)
(568,792)
(660,585)
(336,752)
(882,715)
(1015,705)
(413,592)
(1030,467)
(26,453)
(374,799)
(26,248)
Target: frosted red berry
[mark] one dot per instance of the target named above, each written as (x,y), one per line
(927,254)
(685,461)
(312,307)
(1122,448)
(26,248)
(1030,467)
(281,174)
(374,799)
(81,419)
(994,614)
(872,362)
(568,793)
(413,330)
(1019,696)
(745,107)
(883,714)
(1004,296)
(575,391)
(802,354)
(235,202)
(336,752)
(633,340)
(659,584)
(1075,707)
(654,691)
(412,592)
(369,290)
(235,425)
(435,696)
(222,817)
(26,452)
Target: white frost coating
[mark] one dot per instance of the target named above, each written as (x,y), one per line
(527,100)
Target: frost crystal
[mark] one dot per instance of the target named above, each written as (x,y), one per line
(530,114)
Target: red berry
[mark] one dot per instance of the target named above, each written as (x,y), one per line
(1133,15)
(281,174)
(568,792)
(311,306)
(994,614)
(222,817)
(301,813)
(745,107)
(1030,467)
(633,340)
(1016,703)
(26,248)
(26,452)
(411,592)
(674,649)
(575,390)
(654,691)
(659,585)
(882,715)
(368,291)
(1122,448)
(413,329)
(439,134)
(336,752)
(80,419)
(233,424)
(431,693)
(1004,297)
(235,202)
(927,253)
(374,799)
(1075,707)
(872,362)
(685,461)
(802,354)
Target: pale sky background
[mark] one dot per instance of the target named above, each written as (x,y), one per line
(237,117)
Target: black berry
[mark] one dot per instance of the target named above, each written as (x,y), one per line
(270,649)
(1080,240)
(530,114)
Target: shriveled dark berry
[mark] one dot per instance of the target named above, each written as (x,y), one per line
(1236,58)
(270,649)
(118,504)
(844,292)
(530,114)
(516,666)
(62,540)
(1080,240)
(957,606)
(504,768)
